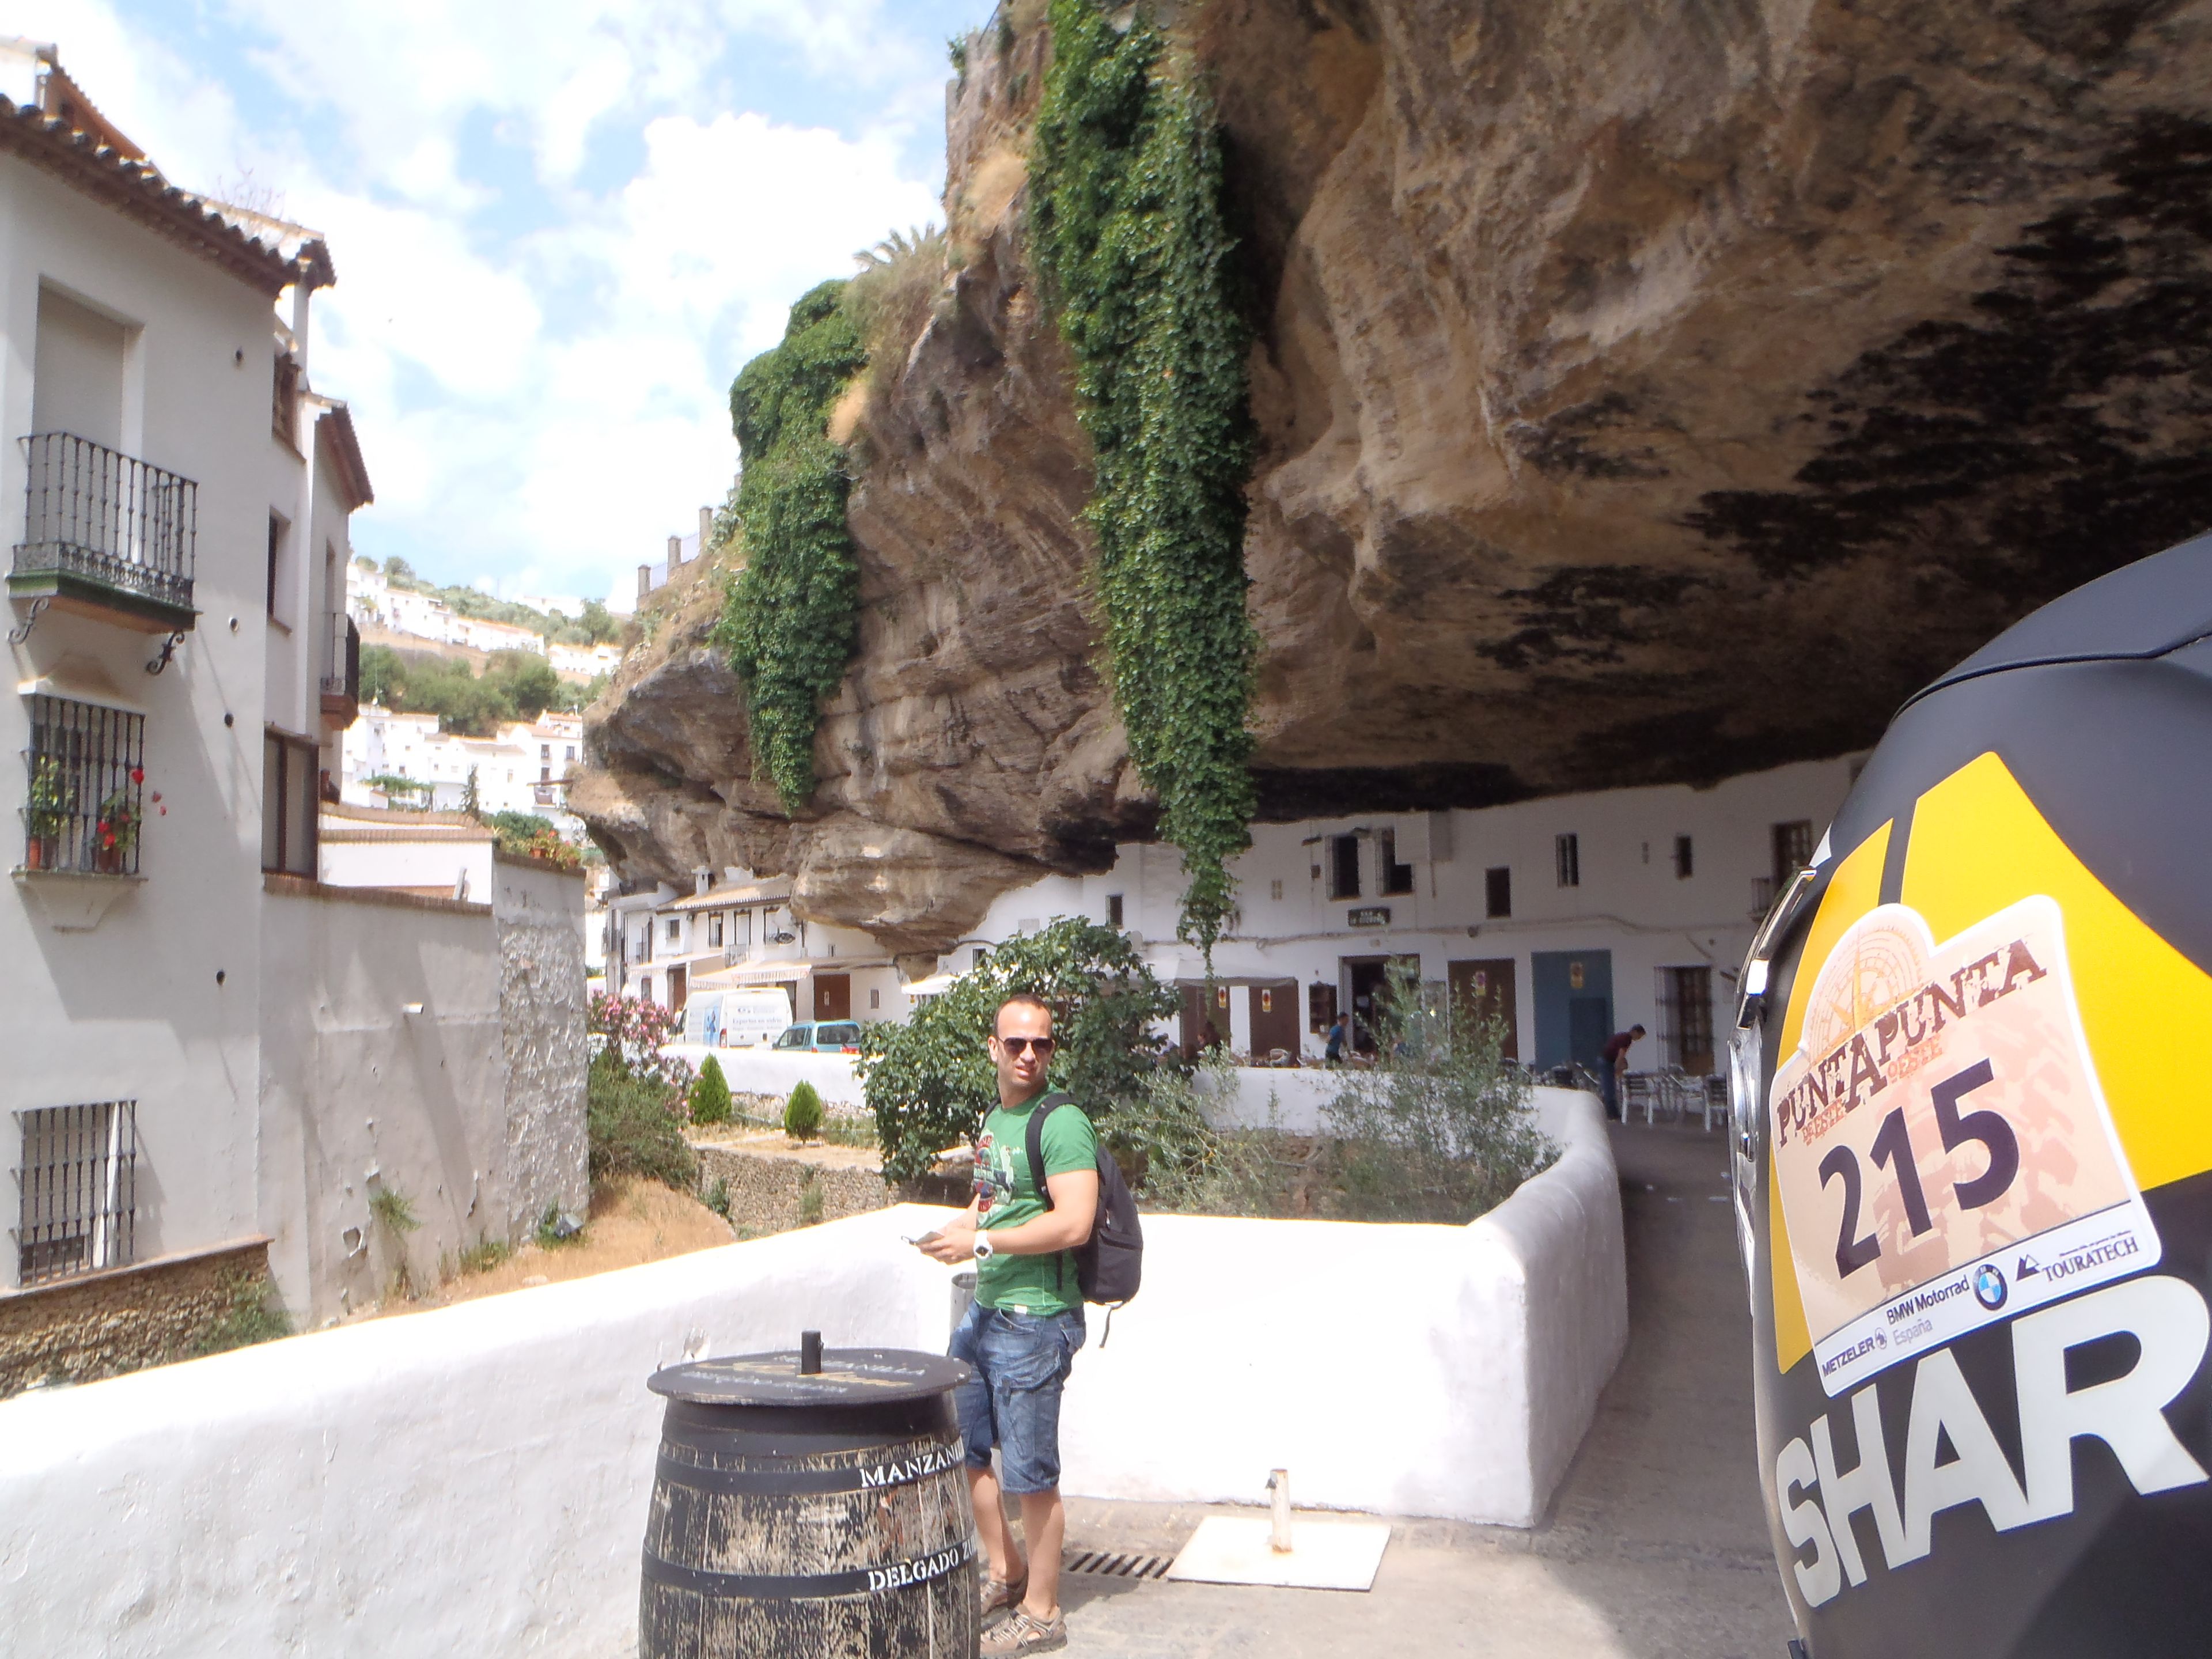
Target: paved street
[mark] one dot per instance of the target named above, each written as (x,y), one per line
(1656,1546)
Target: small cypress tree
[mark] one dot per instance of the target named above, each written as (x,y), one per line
(802,1113)
(710,1093)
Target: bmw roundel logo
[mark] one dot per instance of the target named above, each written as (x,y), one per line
(1989,1287)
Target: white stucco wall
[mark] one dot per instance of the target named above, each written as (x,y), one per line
(134,1009)
(474,1479)
(427,862)
(382,1064)
(538,913)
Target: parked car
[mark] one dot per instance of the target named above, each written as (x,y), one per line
(832,1037)
(747,1020)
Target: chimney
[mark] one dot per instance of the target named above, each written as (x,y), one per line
(706,527)
(675,553)
(644,579)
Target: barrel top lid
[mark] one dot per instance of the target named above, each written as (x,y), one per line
(849,1376)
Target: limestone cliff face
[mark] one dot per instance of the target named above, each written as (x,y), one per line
(1647,393)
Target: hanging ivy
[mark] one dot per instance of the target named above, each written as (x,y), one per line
(789,620)
(1130,237)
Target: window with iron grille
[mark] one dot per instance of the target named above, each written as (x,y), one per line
(83,803)
(78,1185)
(289,805)
(1114,909)
(1569,851)
(1685,862)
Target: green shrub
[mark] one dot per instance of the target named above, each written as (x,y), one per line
(1138,265)
(930,1081)
(718,1197)
(631,1121)
(710,1094)
(1440,1129)
(485,1253)
(809,1197)
(802,1113)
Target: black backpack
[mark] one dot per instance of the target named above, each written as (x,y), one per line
(1111,1261)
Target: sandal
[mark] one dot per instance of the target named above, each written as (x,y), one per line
(998,1593)
(1022,1632)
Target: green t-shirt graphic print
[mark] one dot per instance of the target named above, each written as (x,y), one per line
(1031,1284)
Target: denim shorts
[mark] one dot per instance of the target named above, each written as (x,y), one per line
(1021,1361)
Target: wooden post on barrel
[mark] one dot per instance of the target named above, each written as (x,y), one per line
(811,1505)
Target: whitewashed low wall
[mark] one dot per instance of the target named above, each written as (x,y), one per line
(774,1071)
(474,1479)
(1285,1097)
(1409,1370)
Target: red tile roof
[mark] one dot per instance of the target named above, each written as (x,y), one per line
(135,187)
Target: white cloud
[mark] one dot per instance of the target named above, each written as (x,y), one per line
(543,404)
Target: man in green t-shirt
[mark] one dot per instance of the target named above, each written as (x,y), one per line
(1021,1334)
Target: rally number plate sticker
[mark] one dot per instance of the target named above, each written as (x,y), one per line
(1941,1147)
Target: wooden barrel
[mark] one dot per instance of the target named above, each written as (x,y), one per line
(803,1516)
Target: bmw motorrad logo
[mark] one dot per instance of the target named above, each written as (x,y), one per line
(1989,1287)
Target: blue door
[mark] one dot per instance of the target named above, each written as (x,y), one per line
(1574,1005)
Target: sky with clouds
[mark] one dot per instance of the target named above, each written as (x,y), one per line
(560,226)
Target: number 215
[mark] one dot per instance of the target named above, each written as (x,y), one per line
(1892,1147)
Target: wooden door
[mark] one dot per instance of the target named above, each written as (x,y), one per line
(1483,990)
(833,996)
(1274,1018)
(679,989)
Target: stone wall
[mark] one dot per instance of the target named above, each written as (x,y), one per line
(768,1192)
(79,1330)
(538,913)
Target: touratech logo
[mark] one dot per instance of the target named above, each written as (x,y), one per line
(2104,1251)
(910,1468)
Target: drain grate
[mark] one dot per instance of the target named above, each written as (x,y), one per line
(1111,1563)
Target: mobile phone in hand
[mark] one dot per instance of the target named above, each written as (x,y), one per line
(927,1238)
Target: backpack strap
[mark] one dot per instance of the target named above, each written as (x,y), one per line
(1044,1109)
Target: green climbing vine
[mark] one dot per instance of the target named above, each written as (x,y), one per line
(1129,234)
(789,621)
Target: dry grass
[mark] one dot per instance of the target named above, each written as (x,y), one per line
(633,1221)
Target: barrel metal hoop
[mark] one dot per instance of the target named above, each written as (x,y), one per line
(814,1587)
(896,1472)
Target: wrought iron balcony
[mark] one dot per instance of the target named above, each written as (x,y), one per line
(342,673)
(105,535)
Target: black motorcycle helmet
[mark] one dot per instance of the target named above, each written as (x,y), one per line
(1972,1087)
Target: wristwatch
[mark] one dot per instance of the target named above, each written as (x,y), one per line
(984,1251)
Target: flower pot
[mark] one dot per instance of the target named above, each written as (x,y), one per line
(34,853)
(108,860)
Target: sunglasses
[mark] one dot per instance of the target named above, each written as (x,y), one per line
(1019,1046)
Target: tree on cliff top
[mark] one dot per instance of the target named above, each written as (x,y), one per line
(788,619)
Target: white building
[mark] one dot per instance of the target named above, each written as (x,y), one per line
(524,768)
(1569,918)
(212,1057)
(735,930)
(586,662)
(372,600)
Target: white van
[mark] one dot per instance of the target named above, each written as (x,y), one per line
(754,1018)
